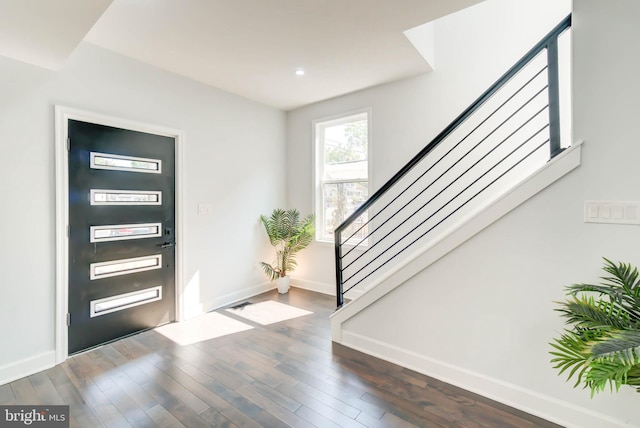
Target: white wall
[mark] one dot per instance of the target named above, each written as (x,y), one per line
(483,315)
(233,158)
(473,49)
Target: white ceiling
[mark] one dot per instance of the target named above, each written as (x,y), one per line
(44,32)
(251,48)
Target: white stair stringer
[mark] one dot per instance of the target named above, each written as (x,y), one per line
(466,228)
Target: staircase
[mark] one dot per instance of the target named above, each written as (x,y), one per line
(505,147)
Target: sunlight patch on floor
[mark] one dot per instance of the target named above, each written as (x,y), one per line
(268,312)
(201,328)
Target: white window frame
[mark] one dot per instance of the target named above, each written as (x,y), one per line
(318,164)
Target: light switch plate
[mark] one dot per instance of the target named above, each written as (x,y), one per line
(205,208)
(612,212)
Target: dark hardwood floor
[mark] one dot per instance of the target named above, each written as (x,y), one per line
(284,374)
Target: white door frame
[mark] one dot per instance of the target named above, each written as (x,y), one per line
(62,116)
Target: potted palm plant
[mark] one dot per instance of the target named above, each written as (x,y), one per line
(288,234)
(602,347)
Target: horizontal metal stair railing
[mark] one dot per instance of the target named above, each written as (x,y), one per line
(509,131)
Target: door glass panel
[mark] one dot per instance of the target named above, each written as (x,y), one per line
(125,197)
(125,163)
(125,301)
(125,266)
(120,232)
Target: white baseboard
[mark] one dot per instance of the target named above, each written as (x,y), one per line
(243,294)
(227,299)
(322,287)
(26,367)
(534,403)
(318,287)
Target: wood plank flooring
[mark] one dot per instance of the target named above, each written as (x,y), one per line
(284,374)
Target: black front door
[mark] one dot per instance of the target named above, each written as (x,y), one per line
(121,233)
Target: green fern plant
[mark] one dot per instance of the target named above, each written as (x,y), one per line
(602,347)
(288,234)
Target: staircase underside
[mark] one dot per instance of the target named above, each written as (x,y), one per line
(463,230)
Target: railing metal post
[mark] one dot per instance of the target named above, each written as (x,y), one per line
(338,250)
(554,98)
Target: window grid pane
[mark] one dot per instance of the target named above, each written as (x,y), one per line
(340,200)
(346,142)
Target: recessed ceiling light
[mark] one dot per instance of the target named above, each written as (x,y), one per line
(299,72)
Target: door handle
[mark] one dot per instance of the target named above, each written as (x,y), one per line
(167,244)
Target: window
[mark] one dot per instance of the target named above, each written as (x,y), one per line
(124,266)
(125,197)
(125,163)
(119,232)
(124,301)
(342,172)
